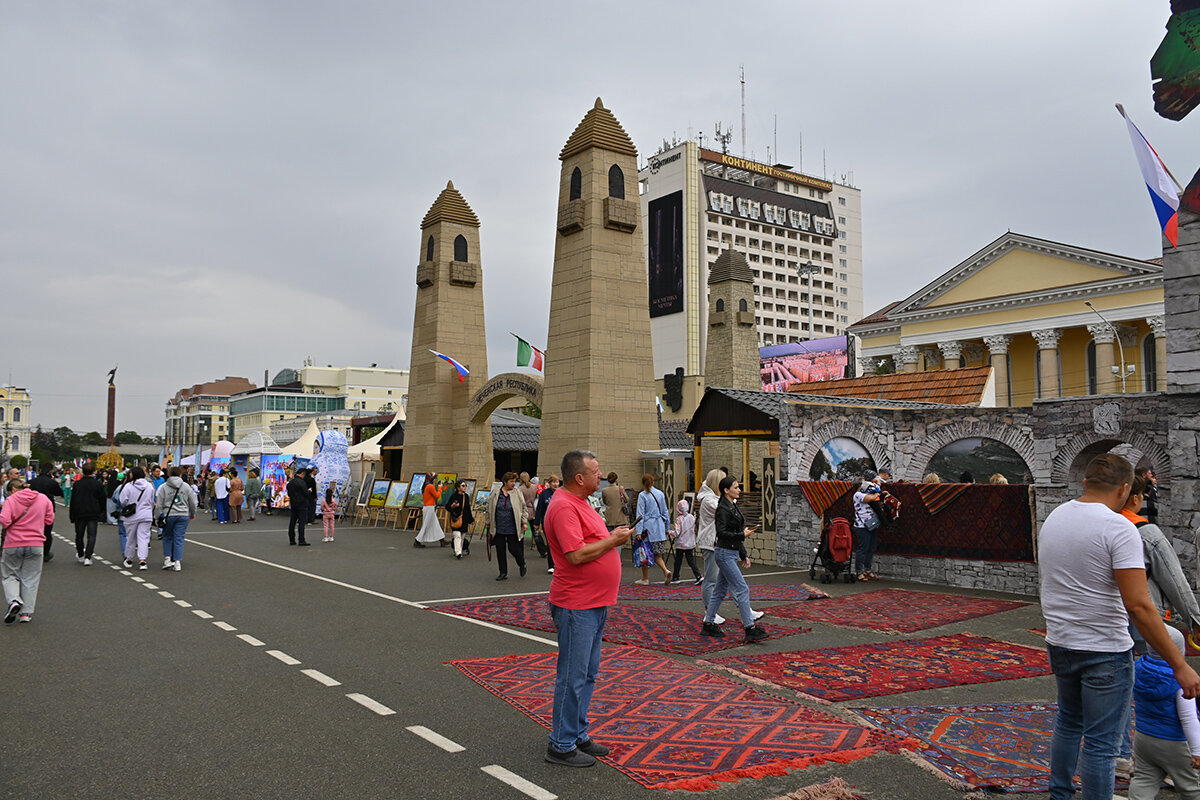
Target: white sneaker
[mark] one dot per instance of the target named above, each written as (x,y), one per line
(87,562)
(175,565)
(78,558)
(167,563)
(641,583)
(718,619)
(758,614)
(127,564)
(549,570)
(142,565)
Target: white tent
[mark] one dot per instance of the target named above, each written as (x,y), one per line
(368,450)
(256,443)
(303,446)
(222,450)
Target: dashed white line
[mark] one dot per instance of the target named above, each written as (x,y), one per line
(320,677)
(225,626)
(116,566)
(435,738)
(201,614)
(149,586)
(126,572)
(366,702)
(139,580)
(183,604)
(250,640)
(517,782)
(284,657)
(167,595)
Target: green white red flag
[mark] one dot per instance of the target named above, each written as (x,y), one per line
(528,355)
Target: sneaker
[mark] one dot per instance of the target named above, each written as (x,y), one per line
(757,614)
(25,618)
(304,544)
(1124,768)
(593,748)
(142,565)
(575,758)
(523,570)
(667,580)
(755,634)
(167,563)
(641,583)
(458,556)
(87,562)
(711,629)
(14,608)
(718,620)
(79,557)
(699,580)
(176,566)
(549,570)
(127,563)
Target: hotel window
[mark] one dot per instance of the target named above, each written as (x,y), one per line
(841,201)
(841,220)
(841,248)
(616,182)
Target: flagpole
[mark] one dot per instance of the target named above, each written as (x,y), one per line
(522,339)
(1178,185)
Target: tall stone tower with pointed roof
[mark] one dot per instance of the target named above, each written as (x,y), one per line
(438,436)
(600,387)
(731,361)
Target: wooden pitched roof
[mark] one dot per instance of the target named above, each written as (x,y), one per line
(599,128)
(948,386)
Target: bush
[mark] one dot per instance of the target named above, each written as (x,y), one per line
(19,461)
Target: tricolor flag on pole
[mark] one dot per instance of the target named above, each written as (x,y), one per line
(528,355)
(462,371)
(1164,189)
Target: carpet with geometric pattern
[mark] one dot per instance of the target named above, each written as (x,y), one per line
(895,610)
(690,591)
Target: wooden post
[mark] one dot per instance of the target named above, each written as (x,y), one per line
(745,463)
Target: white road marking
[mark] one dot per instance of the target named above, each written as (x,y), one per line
(517,782)
(480,597)
(373,593)
(225,626)
(250,640)
(183,604)
(117,567)
(284,657)
(126,572)
(167,595)
(138,579)
(149,586)
(321,677)
(366,702)
(435,738)
(201,614)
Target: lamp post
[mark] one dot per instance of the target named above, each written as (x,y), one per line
(808,269)
(1116,338)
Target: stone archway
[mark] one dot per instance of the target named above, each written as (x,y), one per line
(833,430)
(1072,457)
(500,388)
(939,437)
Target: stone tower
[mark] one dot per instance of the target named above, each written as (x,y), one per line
(600,387)
(732,356)
(438,437)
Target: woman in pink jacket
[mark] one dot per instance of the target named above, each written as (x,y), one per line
(25,517)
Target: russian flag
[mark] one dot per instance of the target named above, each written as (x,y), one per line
(462,371)
(1163,192)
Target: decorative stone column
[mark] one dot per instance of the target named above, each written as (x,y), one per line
(1047,341)
(909,356)
(933,357)
(998,349)
(972,353)
(867,365)
(951,354)
(1158,326)
(1103,336)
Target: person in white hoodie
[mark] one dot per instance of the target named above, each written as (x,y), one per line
(138,493)
(706,535)
(177,502)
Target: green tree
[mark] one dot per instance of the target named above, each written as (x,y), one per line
(530,410)
(92,438)
(19,461)
(127,437)
(68,443)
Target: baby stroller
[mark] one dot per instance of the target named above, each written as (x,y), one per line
(834,551)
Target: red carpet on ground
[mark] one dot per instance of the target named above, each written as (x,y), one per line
(895,610)
(643,626)
(671,725)
(834,674)
(690,591)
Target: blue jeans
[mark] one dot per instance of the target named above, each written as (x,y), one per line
(121,534)
(865,542)
(223,509)
(729,579)
(173,533)
(579,632)
(1094,690)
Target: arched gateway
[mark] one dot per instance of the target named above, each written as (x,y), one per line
(500,388)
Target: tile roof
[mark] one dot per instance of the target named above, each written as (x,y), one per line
(878,316)
(769,403)
(942,387)
(730,266)
(512,431)
(450,207)
(599,128)
(674,439)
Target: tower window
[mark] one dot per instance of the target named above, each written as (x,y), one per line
(616,182)
(429,249)
(576,185)
(720,305)
(460,248)
(742,306)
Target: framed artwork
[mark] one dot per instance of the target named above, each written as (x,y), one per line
(415,487)
(368,482)
(446,481)
(395,495)
(481,500)
(379,490)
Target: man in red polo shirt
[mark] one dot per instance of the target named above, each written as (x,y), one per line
(587,575)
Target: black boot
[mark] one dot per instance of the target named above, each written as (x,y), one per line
(711,629)
(755,634)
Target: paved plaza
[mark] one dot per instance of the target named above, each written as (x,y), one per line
(268,671)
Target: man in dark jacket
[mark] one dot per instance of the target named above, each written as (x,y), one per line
(310,481)
(46,484)
(88,507)
(297,492)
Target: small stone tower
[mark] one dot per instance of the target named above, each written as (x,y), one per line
(438,437)
(600,386)
(731,361)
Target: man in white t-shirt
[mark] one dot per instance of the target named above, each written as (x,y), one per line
(221,494)
(1093,582)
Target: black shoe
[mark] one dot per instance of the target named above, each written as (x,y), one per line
(292,542)
(592,748)
(711,629)
(14,608)
(522,570)
(304,544)
(755,634)
(501,577)
(47,558)
(575,758)
(417,544)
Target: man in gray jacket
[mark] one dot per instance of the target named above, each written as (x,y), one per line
(1169,589)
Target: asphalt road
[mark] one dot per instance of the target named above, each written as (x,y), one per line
(193,684)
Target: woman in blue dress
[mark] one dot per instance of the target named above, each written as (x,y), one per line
(652,508)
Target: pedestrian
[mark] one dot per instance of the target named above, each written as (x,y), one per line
(431,530)
(585,584)
(653,521)
(221,497)
(310,483)
(1167,741)
(866,529)
(1150,496)
(67,484)
(86,510)
(46,484)
(539,517)
(1093,582)
(24,518)
(328,513)
(529,493)
(138,493)
(210,485)
(616,503)
(684,534)
(254,493)
(506,516)
(176,503)
(157,478)
(458,507)
(297,492)
(731,534)
(237,496)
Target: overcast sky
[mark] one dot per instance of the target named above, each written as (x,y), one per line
(200,189)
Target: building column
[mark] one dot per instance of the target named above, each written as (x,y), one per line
(1105,339)
(909,356)
(951,354)
(1047,341)
(867,365)
(1158,326)
(998,350)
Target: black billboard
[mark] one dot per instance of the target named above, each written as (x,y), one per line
(666,255)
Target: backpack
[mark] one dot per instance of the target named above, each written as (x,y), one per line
(841,539)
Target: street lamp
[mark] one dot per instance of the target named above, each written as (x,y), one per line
(1116,338)
(808,269)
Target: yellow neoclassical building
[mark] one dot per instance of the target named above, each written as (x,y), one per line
(1021,305)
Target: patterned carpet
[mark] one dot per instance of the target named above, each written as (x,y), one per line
(895,610)
(870,670)
(644,626)
(690,591)
(671,725)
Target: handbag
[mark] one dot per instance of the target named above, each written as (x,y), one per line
(161,520)
(643,553)
(129,509)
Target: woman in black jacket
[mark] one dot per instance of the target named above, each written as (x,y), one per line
(459,506)
(731,533)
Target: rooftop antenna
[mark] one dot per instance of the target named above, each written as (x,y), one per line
(801,164)
(742,74)
(776,132)
(723,138)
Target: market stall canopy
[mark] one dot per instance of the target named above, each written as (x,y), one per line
(304,445)
(256,443)
(368,450)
